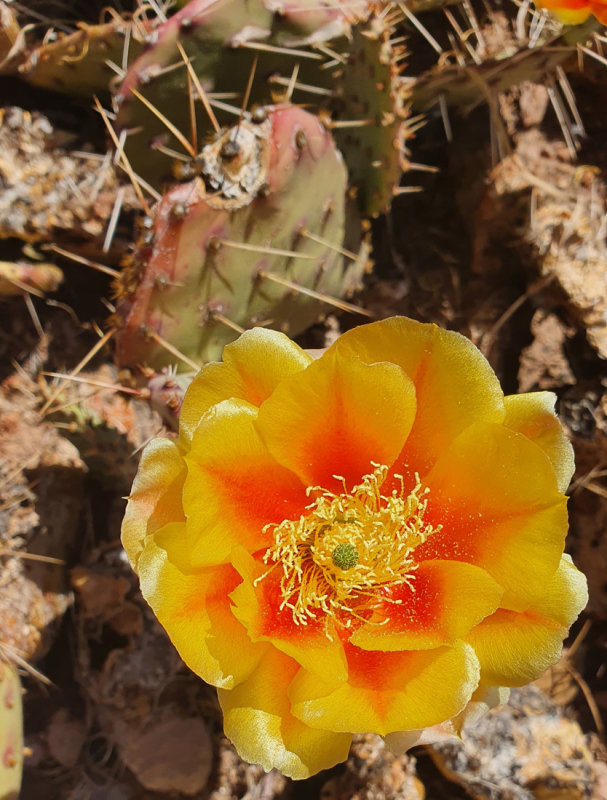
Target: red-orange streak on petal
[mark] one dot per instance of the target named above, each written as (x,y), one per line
(446,599)
(275,622)
(419,609)
(373,670)
(370,669)
(257,604)
(336,417)
(257,494)
(459,539)
(225,580)
(600,12)
(339,453)
(566,4)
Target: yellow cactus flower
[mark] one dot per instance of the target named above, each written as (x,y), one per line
(574,12)
(370,541)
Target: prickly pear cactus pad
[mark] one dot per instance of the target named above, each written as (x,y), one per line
(338,59)
(519,55)
(85,62)
(11,732)
(267,207)
(370,90)
(215,37)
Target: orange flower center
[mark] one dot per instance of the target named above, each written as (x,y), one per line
(340,560)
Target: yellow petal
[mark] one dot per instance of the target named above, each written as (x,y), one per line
(337,417)
(234,486)
(257,604)
(482,700)
(252,367)
(569,13)
(515,648)
(495,493)
(454,384)
(445,600)
(194,609)
(258,720)
(389,692)
(155,498)
(533,415)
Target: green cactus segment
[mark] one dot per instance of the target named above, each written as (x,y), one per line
(337,58)
(213,263)
(80,63)
(468,86)
(369,89)
(11,732)
(214,35)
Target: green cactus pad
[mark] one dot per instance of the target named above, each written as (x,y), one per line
(212,265)
(214,36)
(79,63)
(468,86)
(11,732)
(369,87)
(337,58)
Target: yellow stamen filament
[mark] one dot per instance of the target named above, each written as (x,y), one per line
(341,559)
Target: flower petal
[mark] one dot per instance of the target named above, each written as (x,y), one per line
(252,367)
(445,600)
(569,12)
(494,492)
(515,648)
(533,415)
(389,692)
(338,416)
(257,604)
(194,608)
(482,701)
(155,498)
(234,486)
(258,720)
(454,384)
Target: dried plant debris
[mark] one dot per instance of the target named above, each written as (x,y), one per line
(41,493)
(44,187)
(525,750)
(585,414)
(9,32)
(372,772)
(567,224)
(171,753)
(106,423)
(543,363)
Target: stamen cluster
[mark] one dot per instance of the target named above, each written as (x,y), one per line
(343,557)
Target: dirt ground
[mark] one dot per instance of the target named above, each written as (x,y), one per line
(506,243)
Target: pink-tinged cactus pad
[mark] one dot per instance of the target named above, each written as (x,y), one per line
(213,241)
(336,58)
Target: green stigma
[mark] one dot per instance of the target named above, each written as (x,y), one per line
(345,556)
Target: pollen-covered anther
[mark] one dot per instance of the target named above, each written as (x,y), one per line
(342,559)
